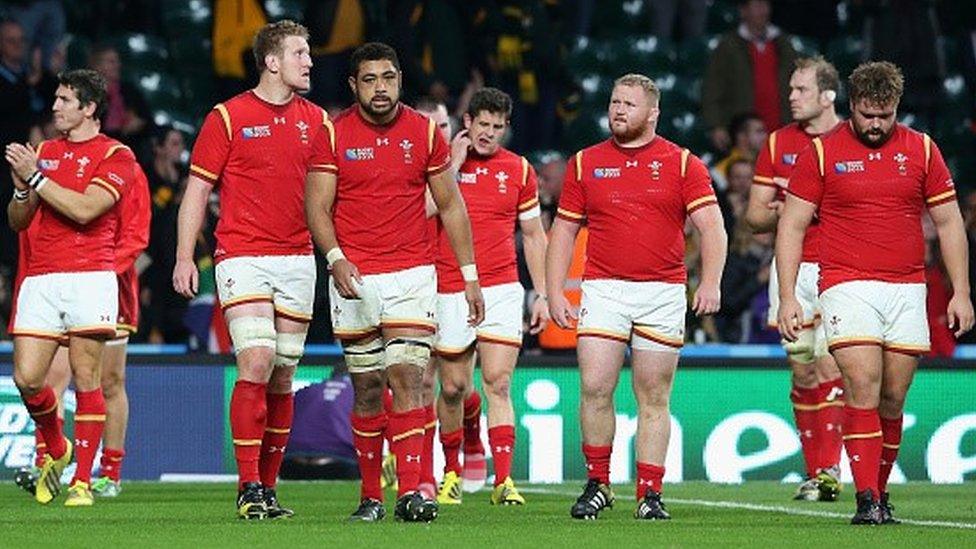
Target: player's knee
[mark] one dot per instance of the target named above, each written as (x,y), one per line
(498,387)
(892,403)
(289,348)
(414,351)
(362,357)
(248,332)
(28,385)
(804,375)
(453,390)
(113,383)
(281,379)
(597,393)
(803,350)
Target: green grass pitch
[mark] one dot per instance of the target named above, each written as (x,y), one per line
(756,514)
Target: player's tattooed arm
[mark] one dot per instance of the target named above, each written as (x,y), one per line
(955,254)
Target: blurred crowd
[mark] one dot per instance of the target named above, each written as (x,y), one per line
(448,49)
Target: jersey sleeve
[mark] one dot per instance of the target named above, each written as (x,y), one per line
(132,236)
(764,173)
(528,200)
(115,173)
(939,187)
(697,191)
(212,146)
(439,153)
(323,158)
(806,183)
(572,202)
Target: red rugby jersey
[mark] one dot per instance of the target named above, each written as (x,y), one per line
(132,233)
(635,202)
(67,246)
(258,154)
(497,191)
(380,207)
(776,160)
(870,203)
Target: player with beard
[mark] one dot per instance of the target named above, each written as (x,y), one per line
(817,391)
(368,214)
(634,192)
(256,149)
(869,181)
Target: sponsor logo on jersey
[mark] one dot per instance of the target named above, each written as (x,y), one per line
(48,164)
(361,153)
(789,159)
(467,178)
(254,132)
(849,166)
(116,178)
(606,173)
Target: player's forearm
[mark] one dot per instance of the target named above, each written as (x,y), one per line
(955,253)
(789,251)
(559,254)
(454,217)
(189,222)
(323,232)
(20,213)
(761,220)
(82,208)
(534,245)
(714,249)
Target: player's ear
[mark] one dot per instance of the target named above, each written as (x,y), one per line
(466,120)
(352,85)
(272,62)
(829,96)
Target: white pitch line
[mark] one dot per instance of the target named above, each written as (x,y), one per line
(771,509)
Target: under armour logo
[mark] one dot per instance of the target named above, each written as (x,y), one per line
(382,141)
(644,482)
(410,458)
(369,455)
(589,466)
(856,457)
(630,164)
(279,449)
(874,156)
(503,449)
(834,393)
(105,318)
(279,120)
(68,154)
(81,443)
(807,434)
(481,171)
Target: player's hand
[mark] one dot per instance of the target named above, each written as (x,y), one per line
(708,298)
(960,314)
(22,159)
(476,302)
(540,314)
(790,319)
(19,183)
(459,147)
(561,312)
(345,276)
(186,278)
(776,206)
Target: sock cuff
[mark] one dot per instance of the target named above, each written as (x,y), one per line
(472,404)
(369,426)
(861,423)
(430,417)
(650,468)
(452,438)
(279,397)
(42,402)
(112,454)
(403,425)
(90,402)
(250,385)
(500,431)
(591,451)
(805,395)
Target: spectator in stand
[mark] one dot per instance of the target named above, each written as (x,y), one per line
(746,275)
(43,22)
(336,28)
(734,198)
(691,14)
(550,169)
(164,308)
(748,136)
(235,22)
(127,117)
(748,71)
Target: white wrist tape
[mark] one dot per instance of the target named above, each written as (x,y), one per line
(36,180)
(333,255)
(469,273)
(21,195)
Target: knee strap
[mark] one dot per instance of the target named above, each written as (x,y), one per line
(290,348)
(252,331)
(408,350)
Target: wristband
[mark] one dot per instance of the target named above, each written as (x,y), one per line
(21,195)
(36,180)
(469,272)
(333,255)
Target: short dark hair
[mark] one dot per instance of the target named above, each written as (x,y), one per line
(826,73)
(372,51)
(877,82)
(89,86)
(493,100)
(739,121)
(270,39)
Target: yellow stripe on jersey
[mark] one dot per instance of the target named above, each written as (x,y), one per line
(39,147)
(116,195)
(331,129)
(763,179)
(431,128)
(569,214)
(684,161)
(226,117)
(818,145)
(772,145)
(206,173)
(525,172)
(528,204)
(113,149)
(701,201)
(941,196)
(579,166)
